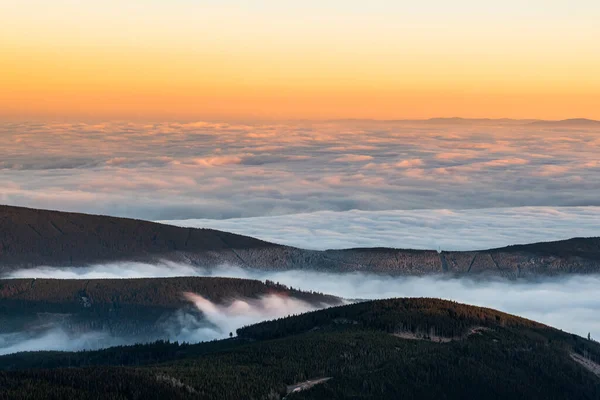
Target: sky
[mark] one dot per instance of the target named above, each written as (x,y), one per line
(184,60)
(307,116)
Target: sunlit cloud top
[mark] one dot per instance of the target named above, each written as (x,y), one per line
(267,59)
(216,170)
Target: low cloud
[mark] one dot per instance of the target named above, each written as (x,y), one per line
(569,303)
(353,158)
(211,321)
(225,319)
(415,162)
(57,339)
(217,161)
(205,170)
(476,229)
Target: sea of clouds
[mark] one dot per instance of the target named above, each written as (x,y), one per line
(474,229)
(207,170)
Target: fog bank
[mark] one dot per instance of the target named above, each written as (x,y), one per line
(227,318)
(569,303)
(211,321)
(57,339)
(471,229)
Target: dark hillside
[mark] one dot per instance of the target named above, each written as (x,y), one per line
(588,248)
(133,310)
(30,238)
(40,237)
(155,292)
(423,316)
(388,349)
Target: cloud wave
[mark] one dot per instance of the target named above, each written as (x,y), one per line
(569,303)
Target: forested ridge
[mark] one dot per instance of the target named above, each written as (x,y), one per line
(30,238)
(386,349)
(159,292)
(133,309)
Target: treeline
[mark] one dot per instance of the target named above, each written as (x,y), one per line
(158,292)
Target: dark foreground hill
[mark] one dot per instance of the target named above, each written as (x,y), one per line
(386,349)
(130,310)
(30,238)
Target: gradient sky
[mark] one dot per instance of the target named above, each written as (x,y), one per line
(268,59)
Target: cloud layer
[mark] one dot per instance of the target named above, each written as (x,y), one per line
(570,303)
(216,171)
(227,318)
(56,339)
(213,321)
(475,229)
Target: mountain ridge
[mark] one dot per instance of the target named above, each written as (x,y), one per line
(131,310)
(31,238)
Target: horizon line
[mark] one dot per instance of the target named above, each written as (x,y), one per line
(573,120)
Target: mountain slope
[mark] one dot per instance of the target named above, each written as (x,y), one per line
(30,238)
(40,237)
(126,310)
(386,349)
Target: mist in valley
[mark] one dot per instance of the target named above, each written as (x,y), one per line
(569,303)
(204,321)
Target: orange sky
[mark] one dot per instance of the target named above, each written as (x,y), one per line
(329,59)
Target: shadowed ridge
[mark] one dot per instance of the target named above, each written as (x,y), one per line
(576,247)
(416,315)
(31,238)
(43,237)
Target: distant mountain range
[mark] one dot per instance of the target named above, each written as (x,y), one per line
(509,121)
(31,238)
(568,122)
